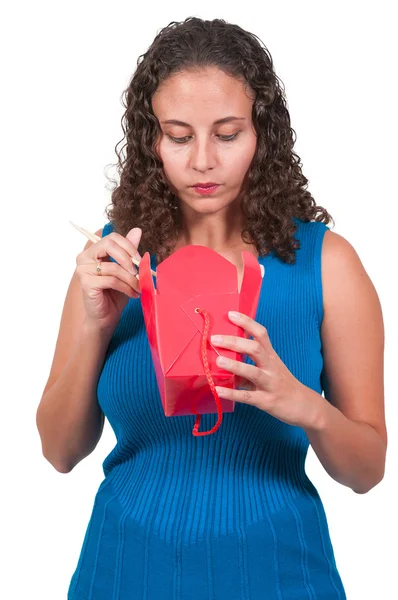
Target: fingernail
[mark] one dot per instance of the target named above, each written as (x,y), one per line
(216,339)
(222,361)
(234,315)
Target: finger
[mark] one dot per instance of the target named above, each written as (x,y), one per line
(250,372)
(114,270)
(252,348)
(244,396)
(129,243)
(112,276)
(108,282)
(113,246)
(134,236)
(252,328)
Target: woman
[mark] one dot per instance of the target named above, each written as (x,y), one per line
(230,515)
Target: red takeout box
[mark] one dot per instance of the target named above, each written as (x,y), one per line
(195,277)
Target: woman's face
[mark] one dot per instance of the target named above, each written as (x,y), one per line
(204,151)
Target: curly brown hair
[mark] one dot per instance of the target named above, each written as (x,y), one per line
(273,192)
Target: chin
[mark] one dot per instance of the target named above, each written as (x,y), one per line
(207,207)
(206,204)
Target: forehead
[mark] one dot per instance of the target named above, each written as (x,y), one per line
(207,93)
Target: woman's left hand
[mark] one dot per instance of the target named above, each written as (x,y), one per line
(269,385)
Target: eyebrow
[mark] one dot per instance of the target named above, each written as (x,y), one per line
(224,120)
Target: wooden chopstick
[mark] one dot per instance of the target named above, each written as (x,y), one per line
(95,238)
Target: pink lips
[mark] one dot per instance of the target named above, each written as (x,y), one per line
(203,191)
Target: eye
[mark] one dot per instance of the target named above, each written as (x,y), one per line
(223,138)
(178,140)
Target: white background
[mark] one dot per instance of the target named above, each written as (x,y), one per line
(64,67)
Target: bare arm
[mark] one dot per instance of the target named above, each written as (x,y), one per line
(349,434)
(69,419)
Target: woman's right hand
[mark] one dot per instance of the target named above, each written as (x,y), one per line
(105,296)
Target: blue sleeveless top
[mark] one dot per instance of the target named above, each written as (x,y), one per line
(227,516)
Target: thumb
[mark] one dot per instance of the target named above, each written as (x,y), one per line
(134,236)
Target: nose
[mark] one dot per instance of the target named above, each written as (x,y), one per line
(203,154)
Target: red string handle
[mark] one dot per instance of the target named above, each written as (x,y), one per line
(195,431)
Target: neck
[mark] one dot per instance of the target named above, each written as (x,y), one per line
(220,232)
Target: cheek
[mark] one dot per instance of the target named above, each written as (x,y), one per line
(249,151)
(172,162)
(239,162)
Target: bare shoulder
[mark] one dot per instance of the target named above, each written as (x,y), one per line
(352,335)
(343,274)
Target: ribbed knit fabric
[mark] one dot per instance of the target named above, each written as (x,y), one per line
(228,516)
